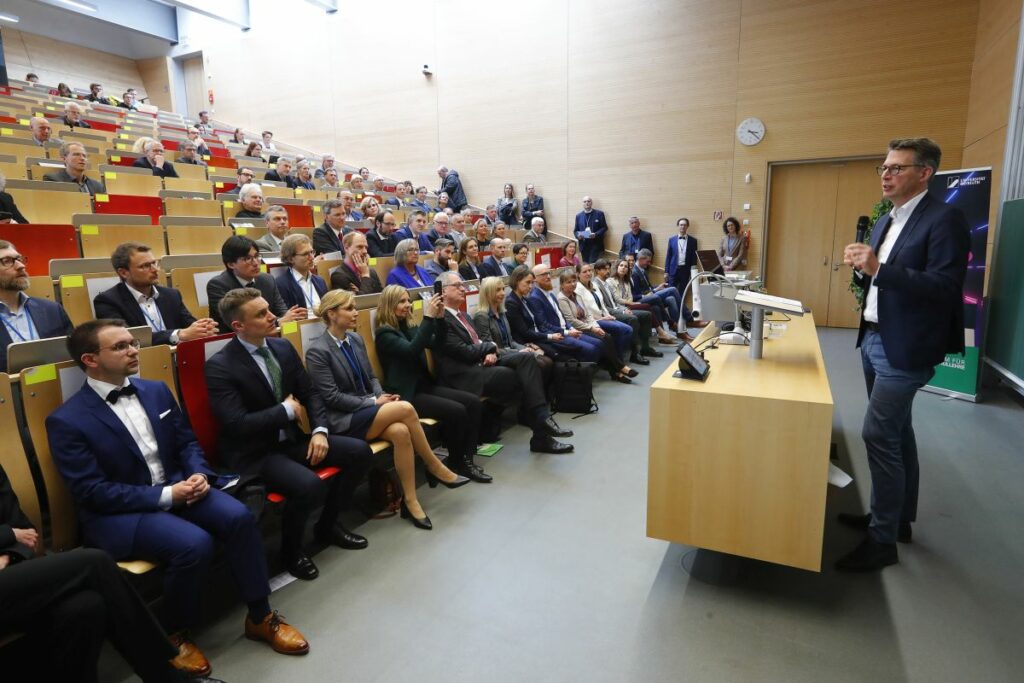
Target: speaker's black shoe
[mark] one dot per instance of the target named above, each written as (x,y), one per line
(904,534)
(868,557)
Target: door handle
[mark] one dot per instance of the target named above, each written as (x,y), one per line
(835,268)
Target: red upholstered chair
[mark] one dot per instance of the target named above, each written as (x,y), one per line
(40,243)
(222,162)
(300,216)
(124,158)
(126,203)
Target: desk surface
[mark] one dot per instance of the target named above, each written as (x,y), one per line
(739,463)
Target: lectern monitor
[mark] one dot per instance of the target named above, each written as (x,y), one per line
(709,261)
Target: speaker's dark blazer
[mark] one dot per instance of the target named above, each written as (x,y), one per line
(920,286)
(117,302)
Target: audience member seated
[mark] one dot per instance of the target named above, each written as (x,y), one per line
(349,201)
(76,160)
(401,196)
(369,208)
(439,228)
(303,178)
(139,146)
(523,323)
(128,101)
(139,300)
(9,212)
(457,229)
(381,240)
(494,264)
(378,184)
(238,138)
(467,363)
(258,391)
(155,161)
(681,256)
(31,78)
(442,203)
(500,230)
(204,125)
(400,347)
(298,282)
(197,140)
(356,183)
(268,142)
(543,303)
(491,215)
(508,205)
(444,258)
(641,321)
(415,229)
(590,229)
(276,218)
(420,200)
(73,116)
(250,197)
(355,273)
(570,256)
(282,172)
(41,130)
(407,271)
(733,249)
(620,286)
(64,90)
(470,266)
(645,293)
(65,605)
(533,205)
(636,239)
(537,232)
(520,255)
(24,318)
(451,185)
(492,325)
(326,164)
(329,180)
(364,172)
(357,406)
(254,150)
(96,95)
(243,176)
(482,233)
(328,236)
(615,337)
(589,294)
(242,269)
(143,489)
(188,153)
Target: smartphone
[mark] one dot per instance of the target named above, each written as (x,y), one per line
(437,286)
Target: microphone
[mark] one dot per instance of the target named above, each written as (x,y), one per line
(862,228)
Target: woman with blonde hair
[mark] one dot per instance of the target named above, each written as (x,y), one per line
(492,325)
(356,183)
(482,233)
(357,406)
(401,347)
(369,207)
(139,146)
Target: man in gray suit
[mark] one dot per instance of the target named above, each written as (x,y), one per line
(75,160)
(277,229)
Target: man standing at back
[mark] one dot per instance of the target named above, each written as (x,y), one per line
(681,256)
(589,230)
(452,184)
(913,274)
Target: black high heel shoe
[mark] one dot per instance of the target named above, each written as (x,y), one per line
(433,481)
(418,522)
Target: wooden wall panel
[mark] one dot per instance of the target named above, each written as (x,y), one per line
(55,61)
(156,79)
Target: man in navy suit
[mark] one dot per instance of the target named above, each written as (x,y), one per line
(298,283)
(24,318)
(259,390)
(589,230)
(138,300)
(416,225)
(681,256)
(549,319)
(143,489)
(636,239)
(913,315)
(494,265)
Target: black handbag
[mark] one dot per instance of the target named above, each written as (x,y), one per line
(573,388)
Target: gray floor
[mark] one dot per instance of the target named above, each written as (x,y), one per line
(547,575)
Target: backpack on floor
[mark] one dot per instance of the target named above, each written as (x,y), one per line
(573,388)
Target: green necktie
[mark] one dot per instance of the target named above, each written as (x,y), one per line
(273,368)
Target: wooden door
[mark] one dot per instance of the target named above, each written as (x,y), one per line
(195,85)
(812,216)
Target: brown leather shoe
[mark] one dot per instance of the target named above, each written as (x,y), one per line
(279,635)
(685,336)
(190,659)
(698,323)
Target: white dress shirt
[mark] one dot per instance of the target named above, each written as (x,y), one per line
(308,291)
(681,243)
(150,311)
(132,415)
(898,219)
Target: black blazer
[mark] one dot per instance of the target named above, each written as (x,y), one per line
(643,240)
(244,404)
(458,358)
(7,204)
(292,294)
(490,268)
(325,240)
(467,272)
(524,330)
(380,246)
(344,278)
(166,171)
(920,286)
(50,320)
(117,302)
(226,281)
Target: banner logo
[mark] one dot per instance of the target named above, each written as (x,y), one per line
(952,181)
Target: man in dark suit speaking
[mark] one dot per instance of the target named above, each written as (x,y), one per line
(138,300)
(913,273)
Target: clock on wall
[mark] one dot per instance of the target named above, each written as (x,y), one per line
(750,131)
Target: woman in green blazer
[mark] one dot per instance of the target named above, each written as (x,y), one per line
(401,350)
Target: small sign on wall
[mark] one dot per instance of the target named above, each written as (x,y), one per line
(719,215)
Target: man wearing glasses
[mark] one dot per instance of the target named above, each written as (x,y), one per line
(913,315)
(244,176)
(24,318)
(241,260)
(139,300)
(155,161)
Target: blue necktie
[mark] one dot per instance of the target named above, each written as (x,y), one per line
(356,369)
(504,331)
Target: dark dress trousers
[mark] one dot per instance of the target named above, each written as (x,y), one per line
(257,437)
(118,503)
(584,348)
(49,319)
(118,302)
(346,278)
(217,287)
(165,171)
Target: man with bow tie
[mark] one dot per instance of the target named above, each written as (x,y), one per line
(143,490)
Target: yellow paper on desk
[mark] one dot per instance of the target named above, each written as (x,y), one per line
(40,374)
